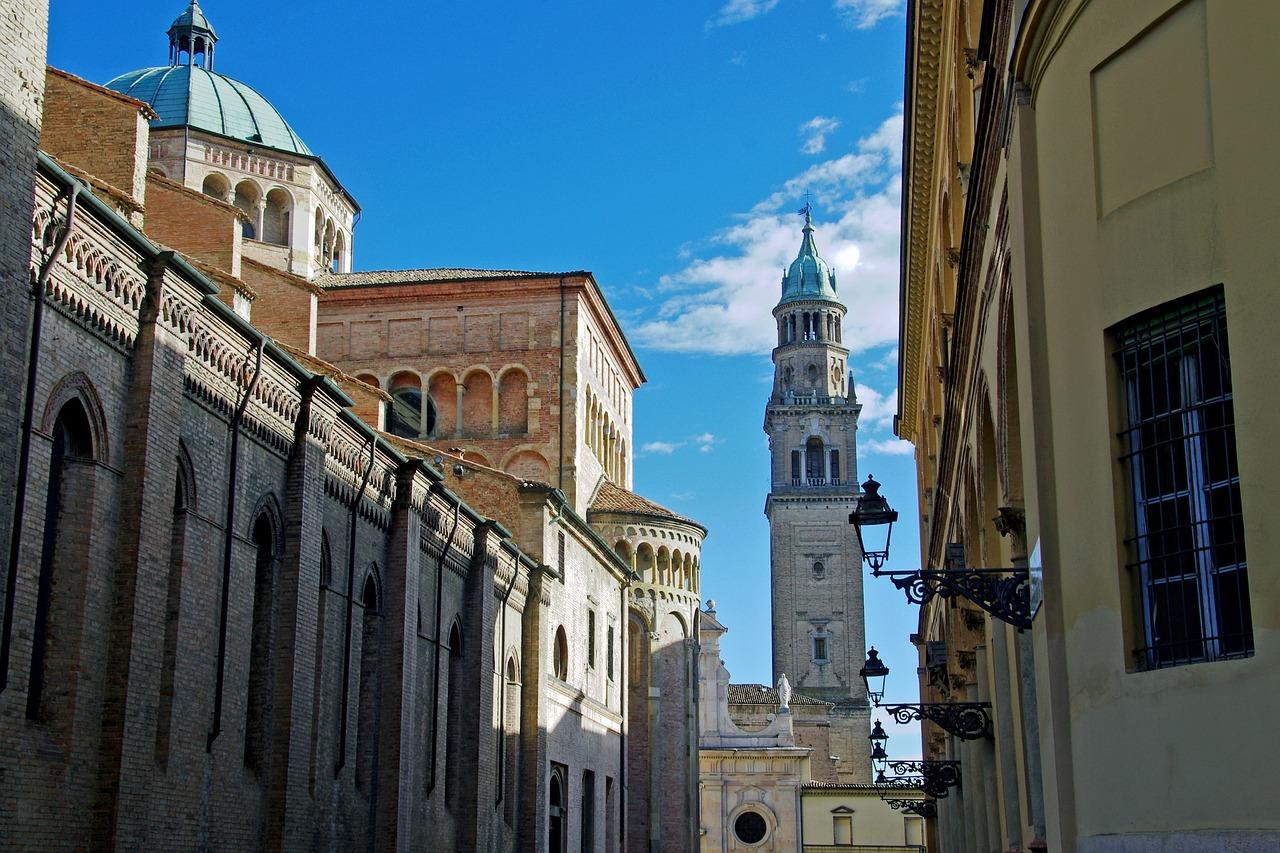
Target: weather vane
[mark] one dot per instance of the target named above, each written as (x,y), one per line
(807,210)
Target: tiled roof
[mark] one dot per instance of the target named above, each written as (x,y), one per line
(330,281)
(758,694)
(611,497)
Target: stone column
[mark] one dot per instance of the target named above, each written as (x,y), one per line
(460,392)
(1005,746)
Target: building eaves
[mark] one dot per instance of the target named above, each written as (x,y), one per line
(759,694)
(142,106)
(435,275)
(612,498)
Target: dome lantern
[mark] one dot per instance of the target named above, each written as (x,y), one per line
(809,276)
(191,36)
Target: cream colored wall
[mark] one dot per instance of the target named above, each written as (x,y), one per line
(873,821)
(1150,144)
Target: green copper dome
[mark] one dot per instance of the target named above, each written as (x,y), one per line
(809,276)
(189,95)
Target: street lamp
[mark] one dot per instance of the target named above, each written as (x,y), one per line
(965,720)
(1004,593)
(878,738)
(873,673)
(934,778)
(872,510)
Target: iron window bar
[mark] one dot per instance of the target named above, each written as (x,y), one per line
(1186,544)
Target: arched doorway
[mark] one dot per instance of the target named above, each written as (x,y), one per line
(557,814)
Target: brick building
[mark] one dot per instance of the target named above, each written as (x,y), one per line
(262,595)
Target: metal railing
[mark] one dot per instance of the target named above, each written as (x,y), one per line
(863,848)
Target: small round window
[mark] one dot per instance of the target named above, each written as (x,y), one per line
(750,828)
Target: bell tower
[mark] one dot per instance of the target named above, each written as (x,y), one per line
(816,570)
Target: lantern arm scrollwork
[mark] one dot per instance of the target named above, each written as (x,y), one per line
(1004,593)
(934,778)
(923,808)
(965,720)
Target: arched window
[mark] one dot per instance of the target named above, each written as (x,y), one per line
(819,570)
(406,410)
(813,471)
(560,655)
(367,713)
(64,554)
(339,252)
(275,218)
(457,705)
(513,402)
(260,650)
(216,186)
(246,198)
(477,404)
(173,606)
(511,744)
(322,622)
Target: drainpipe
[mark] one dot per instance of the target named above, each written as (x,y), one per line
(351,581)
(28,416)
(228,537)
(435,680)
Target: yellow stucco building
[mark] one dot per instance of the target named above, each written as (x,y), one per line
(1090,204)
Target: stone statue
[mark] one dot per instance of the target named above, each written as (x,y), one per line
(784,694)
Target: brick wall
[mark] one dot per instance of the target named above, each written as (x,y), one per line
(102,132)
(285,307)
(23,26)
(193,223)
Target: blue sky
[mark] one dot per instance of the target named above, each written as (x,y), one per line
(665,145)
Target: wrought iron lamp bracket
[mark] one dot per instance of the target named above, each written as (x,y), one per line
(924,808)
(1004,593)
(934,778)
(965,720)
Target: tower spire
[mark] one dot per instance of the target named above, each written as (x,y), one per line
(191,38)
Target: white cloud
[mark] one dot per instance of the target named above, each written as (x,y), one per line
(721,303)
(865,14)
(706,442)
(815,132)
(886,447)
(737,11)
(877,409)
(663,448)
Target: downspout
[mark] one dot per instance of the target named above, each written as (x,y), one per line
(560,467)
(28,416)
(228,537)
(351,581)
(435,679)
(502,679)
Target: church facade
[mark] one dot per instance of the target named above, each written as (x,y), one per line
(279,577)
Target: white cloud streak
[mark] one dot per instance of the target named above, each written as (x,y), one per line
(815,132)
(865,14)
(661,448)
(737,11)
(721,303)
(886,447)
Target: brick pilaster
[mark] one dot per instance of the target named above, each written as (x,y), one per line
(139,591)
(475,823)
(399,744)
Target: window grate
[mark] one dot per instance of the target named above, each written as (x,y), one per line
(1187,539)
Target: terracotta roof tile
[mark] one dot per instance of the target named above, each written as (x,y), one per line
(758,694)
(334,281)
(611,497)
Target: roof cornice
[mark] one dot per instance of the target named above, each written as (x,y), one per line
(919,155)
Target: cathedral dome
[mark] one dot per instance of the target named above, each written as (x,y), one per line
(809,276)
(188,93)
(195,97)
